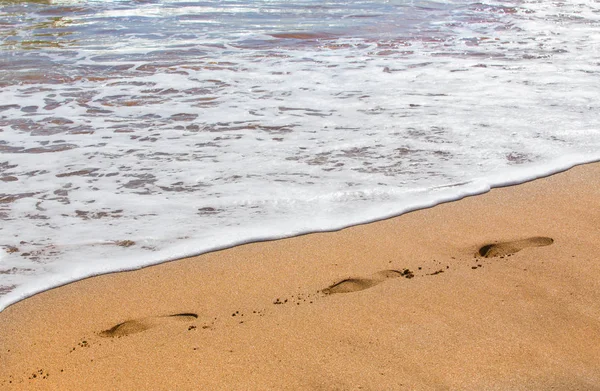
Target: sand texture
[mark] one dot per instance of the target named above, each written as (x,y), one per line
(494,292)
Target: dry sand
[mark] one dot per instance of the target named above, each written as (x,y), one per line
(412,302)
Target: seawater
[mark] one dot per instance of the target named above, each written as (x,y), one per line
(135,132)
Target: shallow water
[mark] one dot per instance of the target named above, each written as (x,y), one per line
(133,132)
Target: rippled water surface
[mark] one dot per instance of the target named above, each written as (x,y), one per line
(132,132)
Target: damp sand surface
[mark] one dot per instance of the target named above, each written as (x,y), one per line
(499,292)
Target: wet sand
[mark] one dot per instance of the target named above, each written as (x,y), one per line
(498,292)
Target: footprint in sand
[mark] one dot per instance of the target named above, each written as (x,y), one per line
(359,284)
(138,325)
(509,248)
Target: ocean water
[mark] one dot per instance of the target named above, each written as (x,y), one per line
(135,132)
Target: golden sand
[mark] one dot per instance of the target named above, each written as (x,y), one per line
(495,292)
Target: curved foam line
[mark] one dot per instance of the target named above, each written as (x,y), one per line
(500,179)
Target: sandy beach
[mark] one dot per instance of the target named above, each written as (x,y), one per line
(495,292)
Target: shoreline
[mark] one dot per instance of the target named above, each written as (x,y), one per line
(409,302)
(558,166)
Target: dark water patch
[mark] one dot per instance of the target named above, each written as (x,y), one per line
(125,243)
(208,210)
(9,198)
(304,35)
(16,270)
(4,166)
(8,107)
(85,172)
(180,187)
(519,158)
(184,117)
(4,289)
(94,215)
(29,109)
(363,16)
(50,149)
(142,181)
(10,249)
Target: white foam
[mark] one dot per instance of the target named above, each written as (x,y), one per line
(185,141)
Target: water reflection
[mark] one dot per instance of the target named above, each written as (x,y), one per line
(47,2)
(28,26)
